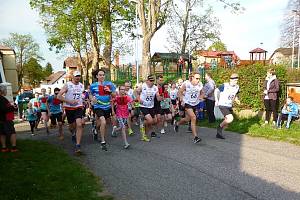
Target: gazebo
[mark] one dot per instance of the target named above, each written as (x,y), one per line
(258,54)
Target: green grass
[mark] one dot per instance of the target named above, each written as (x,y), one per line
(252,126)
(42,171)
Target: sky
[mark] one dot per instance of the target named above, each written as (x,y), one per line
(257,26)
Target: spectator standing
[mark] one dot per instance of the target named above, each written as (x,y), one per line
(7,128)
(271,89)
(20,102)
(209,89)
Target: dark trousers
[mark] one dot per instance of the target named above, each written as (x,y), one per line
(270,106)
(32,126)
(210,105)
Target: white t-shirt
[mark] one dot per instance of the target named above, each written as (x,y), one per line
(147,96)
(192,93)
(74,92)
(173,93)
(227,94)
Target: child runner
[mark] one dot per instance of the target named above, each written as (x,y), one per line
(31,116)
(224,97)
(122,101)
(44,110)
(165,104)
(36,104)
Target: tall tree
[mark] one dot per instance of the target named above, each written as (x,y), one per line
(33,72)
(218,46)
(48,70)
(192,24)
(291,18)
(85,25)
(153,15)
(25,48)
(189,31)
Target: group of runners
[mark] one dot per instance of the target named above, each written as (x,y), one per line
(151,105)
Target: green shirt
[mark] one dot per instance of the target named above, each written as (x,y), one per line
(165,103)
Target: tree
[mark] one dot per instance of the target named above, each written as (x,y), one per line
(287,26)
(34,72)
(85,25)
(218,46)
(48,70)
(191,31)
(153,15)
(25,48)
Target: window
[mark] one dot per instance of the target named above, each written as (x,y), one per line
(63,81)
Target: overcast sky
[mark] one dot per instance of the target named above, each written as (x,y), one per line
(241,33)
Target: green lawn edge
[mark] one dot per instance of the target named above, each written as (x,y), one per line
(253,127)
(43,171)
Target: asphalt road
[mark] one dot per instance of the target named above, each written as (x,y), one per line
(173,167)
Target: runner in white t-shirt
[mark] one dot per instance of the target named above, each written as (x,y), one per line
(148,91)
(224,97)
(72,92)
(191,98)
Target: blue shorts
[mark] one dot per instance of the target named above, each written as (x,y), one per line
(122,122)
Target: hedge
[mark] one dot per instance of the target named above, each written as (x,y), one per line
(251,79)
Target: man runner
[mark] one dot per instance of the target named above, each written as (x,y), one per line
(148,91)
(191,99)
(74,107)
(224,97)
(100,94)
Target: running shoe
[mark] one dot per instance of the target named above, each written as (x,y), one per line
(145,138)
(153,134)
(4,150)
(219,133)
(113,132)
(103,146)
(130,132)
(14,149)
(126,146)
(162,131)
(176,127)
(197,139)
(77,149)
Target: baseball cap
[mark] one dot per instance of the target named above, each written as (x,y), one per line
(76,73)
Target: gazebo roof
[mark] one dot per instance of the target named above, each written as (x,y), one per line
(159,57)
(258,50)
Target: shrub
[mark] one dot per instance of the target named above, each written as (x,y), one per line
(251,80)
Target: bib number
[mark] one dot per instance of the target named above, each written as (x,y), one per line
(76,96)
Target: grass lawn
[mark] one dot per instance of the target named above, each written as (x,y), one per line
(42,171)
(252,126)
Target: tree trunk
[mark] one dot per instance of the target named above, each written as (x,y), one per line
(107,29)
(95,44)
(146,58)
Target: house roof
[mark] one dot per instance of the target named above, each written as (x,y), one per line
(159,57)
(285,51)
(216,54)
(5,48)
(71,62)
(258,50)
(54,77)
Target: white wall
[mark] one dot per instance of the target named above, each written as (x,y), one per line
(58,84)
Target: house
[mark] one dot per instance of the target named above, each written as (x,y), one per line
(57,79)
(222,58)
(8,69)
(283,55)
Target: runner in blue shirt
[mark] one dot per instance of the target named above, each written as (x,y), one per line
(100,94)
(55,111)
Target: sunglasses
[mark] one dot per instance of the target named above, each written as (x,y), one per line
(77,76)
(197,78)
(234,78)
(151,80)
